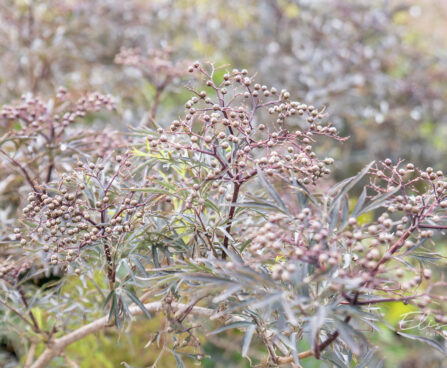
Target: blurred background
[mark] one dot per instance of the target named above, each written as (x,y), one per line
(378,66)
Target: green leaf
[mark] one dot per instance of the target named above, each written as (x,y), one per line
(155,256)
(137,301)
(109,297)
(114,309)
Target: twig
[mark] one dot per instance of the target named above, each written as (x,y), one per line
(57,346)
(30,356)
(237,186)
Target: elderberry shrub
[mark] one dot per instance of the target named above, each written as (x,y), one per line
(230,208)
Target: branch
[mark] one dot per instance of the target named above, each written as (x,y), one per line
(237,186)
(6,304)
(437,227)
(36,327)
(22,169)
(57,346)
(30,357)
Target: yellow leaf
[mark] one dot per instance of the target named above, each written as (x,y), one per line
(292,11)
(395,311)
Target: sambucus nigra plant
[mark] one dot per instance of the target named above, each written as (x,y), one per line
(227,214)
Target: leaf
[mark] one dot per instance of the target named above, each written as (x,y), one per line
(360,203)
(239,324)
(316,321)
(152,190)
(350,184)
(225,232)
(334,214)
(136,261)
(338,186)
(247,339)
(268,300)
(209,279)
(114,310)
(109,297)
(331,357)
(367,358)
(295,356)
(124,305)
(273,193)
(378,202)
(264,205)
(433,343)
(300,188)
(178,360)
(137,301)
(155,256)
(371,324)
(345,211)
(349,336)
(211,205)
(225,295)
(302,199)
